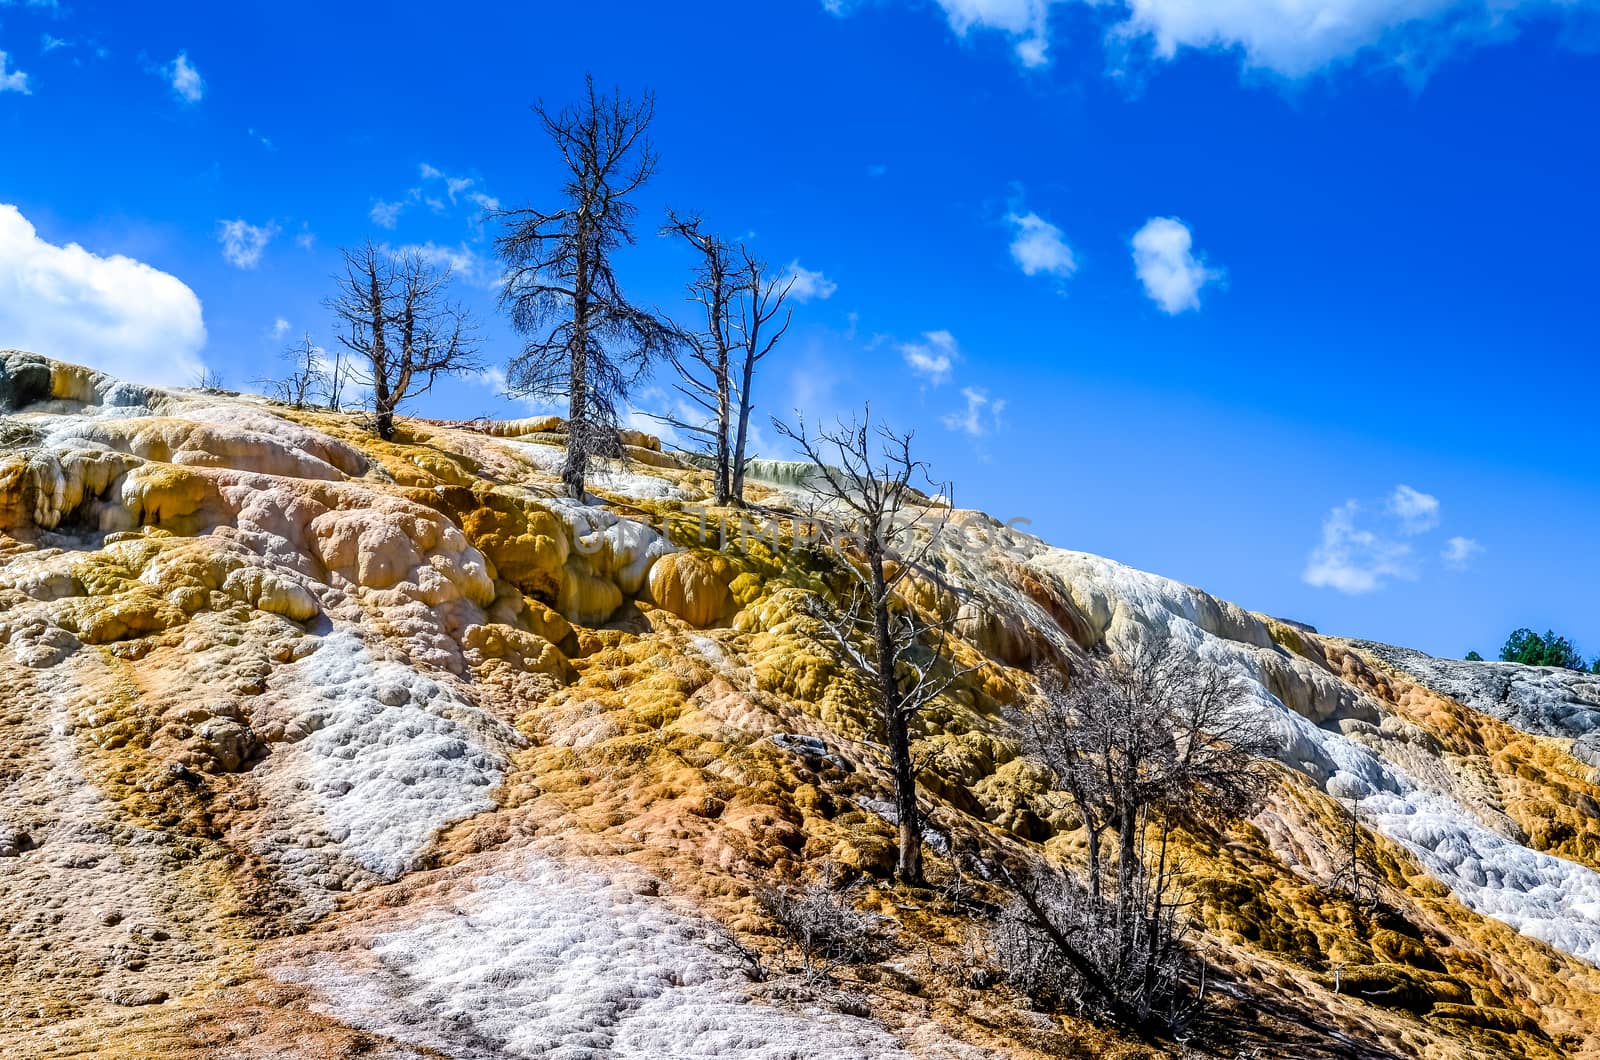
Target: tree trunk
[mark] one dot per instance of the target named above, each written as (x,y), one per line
(743,430)
(382,399)
(1127,850)
(896,730)
(1094,860)
(575,469)
(724,471)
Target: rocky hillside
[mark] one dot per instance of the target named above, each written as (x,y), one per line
(313,745)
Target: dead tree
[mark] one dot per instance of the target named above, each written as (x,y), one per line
(1148,741)
(885,533)
(393,317)
(305,377)
(1356,875)
(586,341)
(702,359)
(338,375)
(761,300)
(209,380)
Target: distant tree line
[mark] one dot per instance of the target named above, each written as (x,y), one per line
(1530,649)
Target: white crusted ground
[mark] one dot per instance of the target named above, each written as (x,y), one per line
(378,759)
(557,959)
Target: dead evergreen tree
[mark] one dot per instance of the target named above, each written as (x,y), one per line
(702,358)
(305,378)
(1146,742)
(1356,874)
(586,341)
(393,317)
(885,532)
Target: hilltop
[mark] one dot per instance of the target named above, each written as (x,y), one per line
(320,745)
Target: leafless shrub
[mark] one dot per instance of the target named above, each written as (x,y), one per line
(14,434)
(1144,743)
(823,925)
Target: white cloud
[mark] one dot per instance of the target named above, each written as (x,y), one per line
(49,43)
(243,243)
(1458,552)
(456,188)
(262,139)
(307,239)
(386,214)
(1165,262)
(280,328)
(1418,512)
(1292,39)
(1355,560)
(15,81)
(807,284)
(933,357)
(981,415)
(1039,247)
(1025,21)
(1298,38)
(186,82)
(464,263)
(112,313)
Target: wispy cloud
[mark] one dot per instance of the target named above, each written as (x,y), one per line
(49,43)
(1353,559)
(457,189)
(1418,512)
(1164,259)
(933,357)
(12,80)
(807,285)
(1458,552)
(1364,548)
(184,79)
(1038,247)
(386,214)
(464,263)
(280,328)
(243,243)
(981,415)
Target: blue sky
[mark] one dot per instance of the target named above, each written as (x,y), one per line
(1197,287)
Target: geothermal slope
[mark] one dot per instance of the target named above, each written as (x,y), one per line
(313,745)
